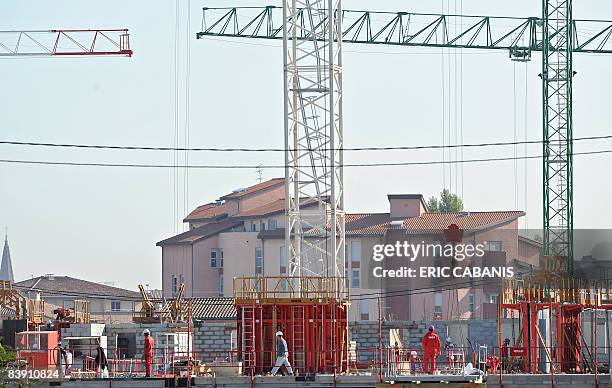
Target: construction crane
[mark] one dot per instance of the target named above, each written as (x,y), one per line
(554,35)
(65,42)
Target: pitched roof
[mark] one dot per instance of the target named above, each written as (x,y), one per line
(252,189)
(376,224)
(69,286)
(209,211)
(464,220)
(357,224)
(6,267)
(200,233)
(273,207)
(366,224)
(206,309)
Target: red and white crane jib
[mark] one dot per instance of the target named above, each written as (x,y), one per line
(65,42)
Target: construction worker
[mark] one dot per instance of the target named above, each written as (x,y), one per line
(505,354)
(282,355)
(449,348)
(148,352)
(431,348)
(101,363)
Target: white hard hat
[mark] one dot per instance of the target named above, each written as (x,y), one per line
(449,339)
(279,333)
(413,353)
(146,331)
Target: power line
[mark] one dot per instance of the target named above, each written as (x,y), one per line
(271,149)
(238,167)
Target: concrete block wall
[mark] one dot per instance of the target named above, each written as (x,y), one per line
(214,340)
(211,340)
(365,333)
(83,330)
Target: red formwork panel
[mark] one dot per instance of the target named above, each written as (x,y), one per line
(316,335)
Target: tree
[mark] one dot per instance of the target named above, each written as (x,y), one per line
(448,203)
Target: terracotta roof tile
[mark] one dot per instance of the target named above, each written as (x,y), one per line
(269,208)
(200,233)
(277,206)
(366,223)
(252,189)
(210,211)
(464,220)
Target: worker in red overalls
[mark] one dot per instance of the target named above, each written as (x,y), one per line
(431,347)
(148,351)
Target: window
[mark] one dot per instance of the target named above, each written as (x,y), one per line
(346,279)
(258,261)
(471,301)
(174,285)
(356,278)
(263,225)
(493,298)
(283,260)
(253,227)
(493,246)
(272,225)
(216,258)
(115,305)
(221,284)
(213,258)
(364,310)
(182,279)
(355,253)
(437,303)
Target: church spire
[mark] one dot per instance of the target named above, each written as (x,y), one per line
(6,267)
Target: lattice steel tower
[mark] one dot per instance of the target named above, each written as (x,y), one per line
(557,74)
(312,43)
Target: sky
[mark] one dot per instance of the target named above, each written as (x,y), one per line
(101,224)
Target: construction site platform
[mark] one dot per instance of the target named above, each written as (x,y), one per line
(327,381)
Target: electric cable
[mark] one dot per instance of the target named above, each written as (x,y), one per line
(272,149)
(229,167)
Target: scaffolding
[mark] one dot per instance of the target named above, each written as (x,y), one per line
(557,318)
(312,313)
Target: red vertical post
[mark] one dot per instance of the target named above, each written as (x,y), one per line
(594,323)
(499,344)
(380,346)
(189,344)
(550,334)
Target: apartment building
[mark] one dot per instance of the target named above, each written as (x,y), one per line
(242,234)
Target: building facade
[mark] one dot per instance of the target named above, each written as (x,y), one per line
(242,234)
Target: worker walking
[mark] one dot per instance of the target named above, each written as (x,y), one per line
(282,355)
(148,352)
(431,347)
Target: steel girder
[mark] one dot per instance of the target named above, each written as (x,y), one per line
(412,29)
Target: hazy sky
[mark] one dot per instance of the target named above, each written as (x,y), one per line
(102,224)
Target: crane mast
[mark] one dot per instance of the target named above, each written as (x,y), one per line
(312,43)
(557,74)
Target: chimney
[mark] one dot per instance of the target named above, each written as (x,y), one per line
(406,205)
